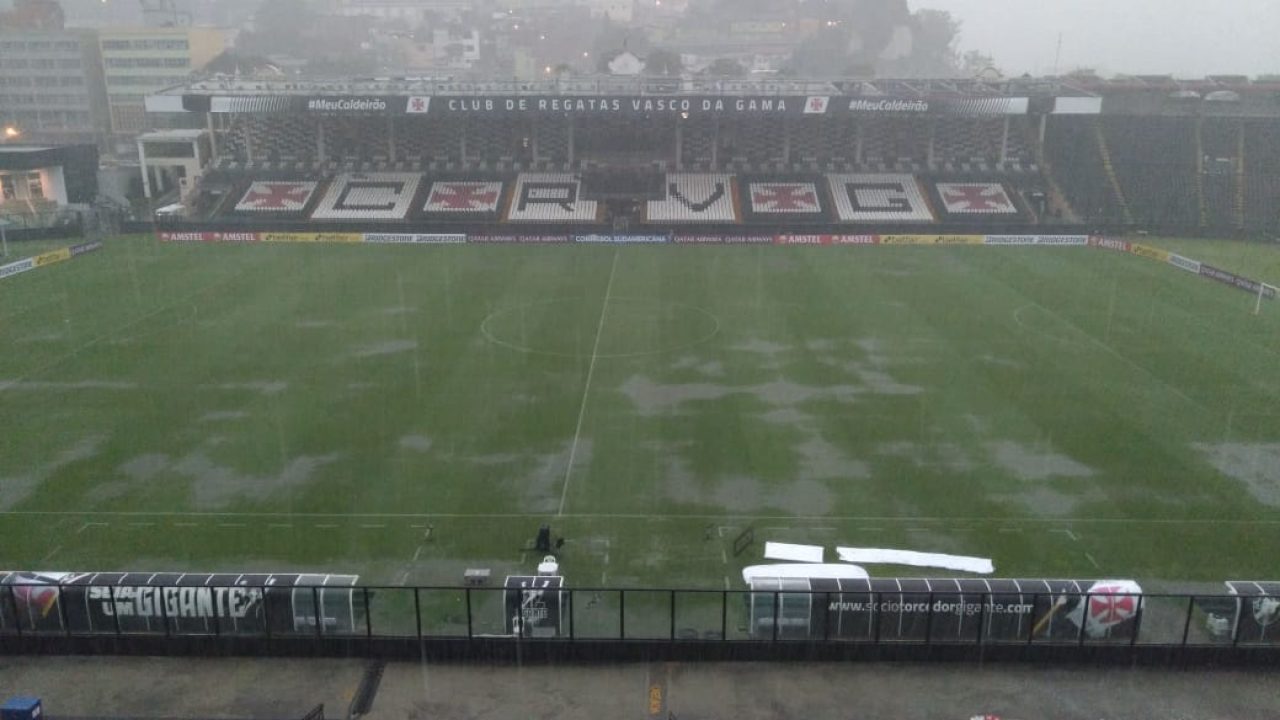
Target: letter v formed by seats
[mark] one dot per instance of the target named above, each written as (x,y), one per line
(695,198)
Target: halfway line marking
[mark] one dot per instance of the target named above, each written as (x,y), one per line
(586,390)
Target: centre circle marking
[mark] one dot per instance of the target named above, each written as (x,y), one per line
(658,306)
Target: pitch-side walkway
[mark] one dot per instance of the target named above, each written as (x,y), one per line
(235,688)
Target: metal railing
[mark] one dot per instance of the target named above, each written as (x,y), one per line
(15,222)
(641,616)
(580,85)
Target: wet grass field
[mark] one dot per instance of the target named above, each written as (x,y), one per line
(404,413)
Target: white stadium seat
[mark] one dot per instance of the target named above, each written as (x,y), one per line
(871,198)
(695,198)
(550,197)
(276,197)
(472,197)
(976,199)
(368,196)
(784,198)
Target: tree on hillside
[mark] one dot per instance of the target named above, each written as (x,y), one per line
(825,54)
(934,54)
(978,64)
(663,62)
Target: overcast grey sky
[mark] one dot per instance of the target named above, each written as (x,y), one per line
(1188,38)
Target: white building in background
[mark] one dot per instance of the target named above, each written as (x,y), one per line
(455,50)
(626,63)
(619,11)
(412,12)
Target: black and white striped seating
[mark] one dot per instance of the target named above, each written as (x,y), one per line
(368,196)
(550,197)
(695,198)
(879,197)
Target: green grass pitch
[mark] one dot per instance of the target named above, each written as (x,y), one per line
(1065,411)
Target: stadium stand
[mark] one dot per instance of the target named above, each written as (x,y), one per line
(695,198)
(954,157)
(975,201)
(697,146)
(1261,177)
(464,198)
(550,197)
(895,144)
(790,199)
(550,145)
(1154,160)
(879,198)
(372,196)
(1072,148)
(1221,203)
(616,141)
(968,140)
(491,144)
(276,197)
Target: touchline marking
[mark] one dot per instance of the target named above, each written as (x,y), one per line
(586,390)
(645,516)
(1095,562)
(52,552)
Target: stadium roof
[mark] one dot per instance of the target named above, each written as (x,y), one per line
(616,85)
(1070,86)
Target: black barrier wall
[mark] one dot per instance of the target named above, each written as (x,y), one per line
(482,623)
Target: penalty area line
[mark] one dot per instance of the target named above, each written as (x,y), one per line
(586,390)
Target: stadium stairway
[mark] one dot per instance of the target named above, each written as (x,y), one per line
(1109,171)
(1239,203)
(1200,198)
(1057,197)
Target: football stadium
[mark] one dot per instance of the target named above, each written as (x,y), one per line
(652,359)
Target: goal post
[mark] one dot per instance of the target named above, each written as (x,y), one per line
(1265,292)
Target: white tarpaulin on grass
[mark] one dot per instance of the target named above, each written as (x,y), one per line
(794,553)
(803,571)
(878,556)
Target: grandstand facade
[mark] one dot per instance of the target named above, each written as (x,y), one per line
(664,154)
